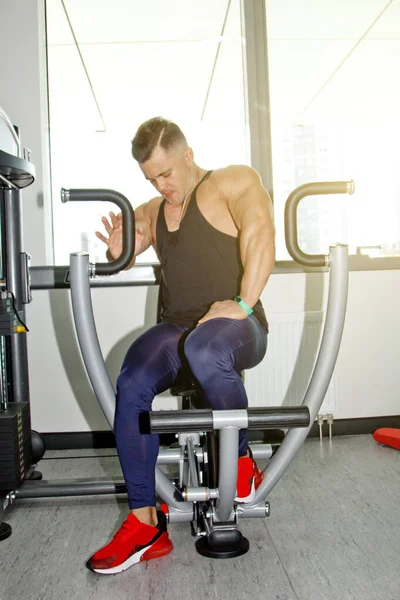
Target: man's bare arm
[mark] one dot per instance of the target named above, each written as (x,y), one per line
(251,209)
(143,238)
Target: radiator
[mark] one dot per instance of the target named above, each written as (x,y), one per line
(282,377)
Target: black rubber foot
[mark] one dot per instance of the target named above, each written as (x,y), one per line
(205,549)
(5,531)
(38,446)
(35,476)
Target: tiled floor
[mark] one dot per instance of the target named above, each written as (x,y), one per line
(333,533)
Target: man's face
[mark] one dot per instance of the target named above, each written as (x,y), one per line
(170,173)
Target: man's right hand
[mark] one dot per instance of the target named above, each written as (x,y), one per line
(114,230)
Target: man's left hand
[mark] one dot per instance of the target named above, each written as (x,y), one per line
(227,309)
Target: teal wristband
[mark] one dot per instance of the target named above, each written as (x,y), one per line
(243,304)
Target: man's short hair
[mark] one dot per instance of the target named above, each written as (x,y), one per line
(154,132)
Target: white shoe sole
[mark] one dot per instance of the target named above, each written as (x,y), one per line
(132,560)
(160,547)
(248,498)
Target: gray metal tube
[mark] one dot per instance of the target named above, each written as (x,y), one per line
(200,494)
(171,421)
(72,487)
(309,189)
(246,511)
(329,349)
(266,417)
(230,418)
(228,458)
(18,343)
(177,516)
(87,335)
(49,278)
(168,492)
(172,456)
(261,451)
(169,456)
(256,73)
(50,489)
(96,369)
(128,230)
(194,480)
(8,182)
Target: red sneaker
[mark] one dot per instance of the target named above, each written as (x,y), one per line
(249,479)
(134,542)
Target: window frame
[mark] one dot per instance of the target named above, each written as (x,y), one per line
(257,75)
(257,97)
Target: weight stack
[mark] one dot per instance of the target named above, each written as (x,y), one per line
(15,445)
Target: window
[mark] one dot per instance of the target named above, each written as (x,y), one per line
(111,66)
(335,97)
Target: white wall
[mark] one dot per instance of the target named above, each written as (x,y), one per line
(368,376)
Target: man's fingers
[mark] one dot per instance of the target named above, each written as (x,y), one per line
(102,237)
(116,220)
(107,225)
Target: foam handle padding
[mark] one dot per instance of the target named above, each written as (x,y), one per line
(388,436)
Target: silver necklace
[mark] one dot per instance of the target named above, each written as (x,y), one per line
(184,204)
(182,210)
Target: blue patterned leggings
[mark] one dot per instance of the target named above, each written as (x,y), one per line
(216,352)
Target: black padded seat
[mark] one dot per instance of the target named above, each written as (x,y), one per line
(186,384)
(186,387)
(187,390)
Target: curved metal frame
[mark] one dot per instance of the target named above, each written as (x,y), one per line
(327,355)
(319,382)
(128,216)
(181,510)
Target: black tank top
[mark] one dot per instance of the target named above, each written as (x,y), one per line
(199,265)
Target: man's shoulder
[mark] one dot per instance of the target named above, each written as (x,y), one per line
(234,177)
(152,207)
(155,203)
(234,172)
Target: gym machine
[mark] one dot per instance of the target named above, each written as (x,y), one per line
(203,493)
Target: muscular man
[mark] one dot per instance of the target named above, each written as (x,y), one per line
(214,236)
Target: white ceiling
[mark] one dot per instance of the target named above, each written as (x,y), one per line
(331,19)
(157,58)
(116,21)
(328,64)
(142,60)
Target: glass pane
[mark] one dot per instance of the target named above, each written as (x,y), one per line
(137,61)
(334,110)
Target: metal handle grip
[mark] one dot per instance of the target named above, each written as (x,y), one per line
(171,421)
(128,220)
(309,189)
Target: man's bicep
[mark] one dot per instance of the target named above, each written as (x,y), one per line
(141,212)
(146,219)
(250,203)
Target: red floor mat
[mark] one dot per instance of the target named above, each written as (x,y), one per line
(388,436)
